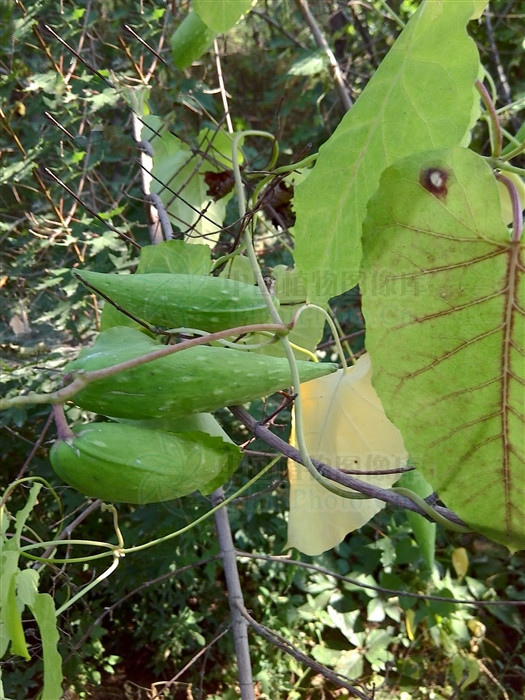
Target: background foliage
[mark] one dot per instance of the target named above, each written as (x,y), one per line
(70,197)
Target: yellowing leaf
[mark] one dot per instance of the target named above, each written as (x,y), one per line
(460,561)
(346,427)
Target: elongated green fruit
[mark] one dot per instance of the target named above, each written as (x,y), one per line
(194,380)
(127,464)
(191,301)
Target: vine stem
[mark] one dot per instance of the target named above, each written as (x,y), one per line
(517,209)
(493,121)
(235,597)
(82,378)
(401,498)
(221,516)
(296,382)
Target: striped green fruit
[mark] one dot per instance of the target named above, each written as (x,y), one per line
(182,301)
(127,464)
(194,380)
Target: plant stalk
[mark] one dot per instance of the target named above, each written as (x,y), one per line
(235,597)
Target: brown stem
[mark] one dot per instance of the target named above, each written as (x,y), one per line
(321,42)
(334,474)
(517,211)
(496,140)
(289,648)
(235,597)
(64,432)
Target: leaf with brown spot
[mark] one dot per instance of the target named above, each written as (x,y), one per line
(444,303)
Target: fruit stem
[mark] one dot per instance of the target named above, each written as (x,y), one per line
(64,432)
(517,212)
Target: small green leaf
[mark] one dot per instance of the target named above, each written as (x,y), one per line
(13,622)
(191,39)
(27,586)
(43,609)
(175,256)
(310,64)
(221,15)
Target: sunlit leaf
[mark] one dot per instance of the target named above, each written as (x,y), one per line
(43,608)
(443,298)
(460,561)
(190,40)
(221,15)
(344,426)
(421,97)
(179,180)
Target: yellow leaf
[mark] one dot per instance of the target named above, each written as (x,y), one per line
(345,426)
(460,561)
(410,623)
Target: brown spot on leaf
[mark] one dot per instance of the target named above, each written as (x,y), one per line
(435,181)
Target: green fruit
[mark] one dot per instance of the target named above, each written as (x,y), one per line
(190,301)
(194,380)
(127,464)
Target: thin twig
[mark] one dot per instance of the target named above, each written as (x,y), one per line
(321,42)
(88,208)
(66,532)
(289,648)
(496,60)
(143,586)
(222,88)
(285,559)
(167,684)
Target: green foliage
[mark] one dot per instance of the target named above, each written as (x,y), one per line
(191,39)
(221,15)
(177,602)
(18,589)
(421,97)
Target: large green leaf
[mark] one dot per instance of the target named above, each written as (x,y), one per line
(422,97)
(443,298)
